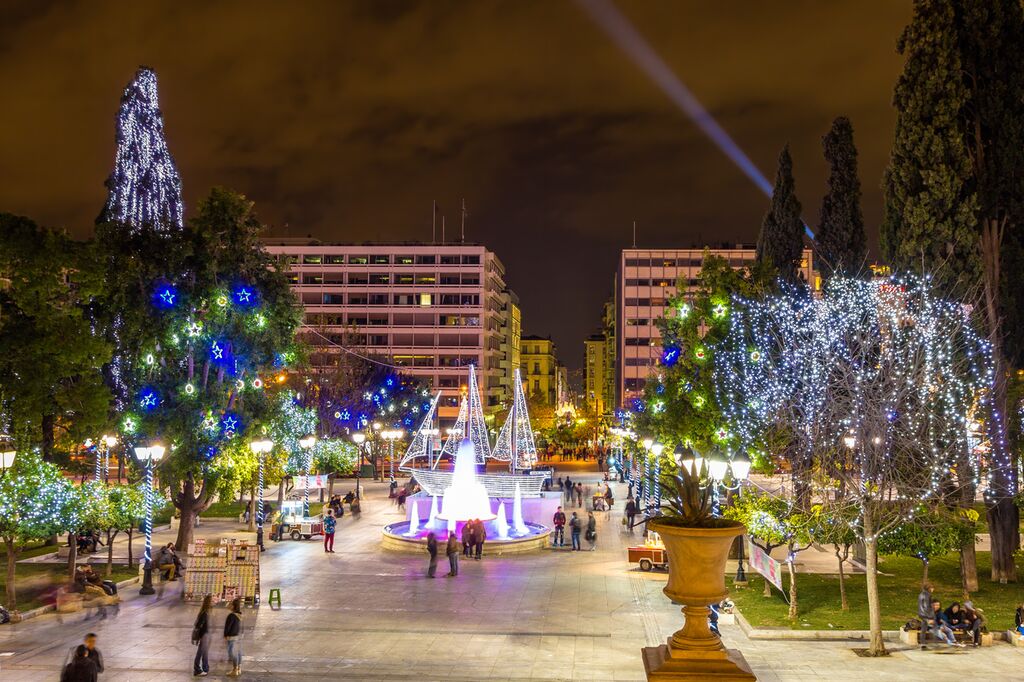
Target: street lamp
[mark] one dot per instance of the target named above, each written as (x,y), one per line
(108,442)
(260,448)
(149,455)
(6,460)
(740,466)
(307,444)
(358,439)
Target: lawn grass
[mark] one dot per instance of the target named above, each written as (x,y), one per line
(37,583)
(225,509)
(819,605)
(32,549)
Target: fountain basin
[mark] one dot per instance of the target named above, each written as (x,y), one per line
(394,538)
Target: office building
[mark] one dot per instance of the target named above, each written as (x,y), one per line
(594,357)
(429,309)
(646,279)
(540,369)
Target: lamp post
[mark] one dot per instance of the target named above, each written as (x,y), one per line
(740,466)
(307,444)
(260,448)
(6,460)
(108,442)
(371,446)
(358,439)
(149,455)
(391,437)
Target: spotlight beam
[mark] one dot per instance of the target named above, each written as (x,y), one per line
(606,15)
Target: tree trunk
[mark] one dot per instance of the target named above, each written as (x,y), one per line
(252,510)
(792,589)
(924,571)
(48,426)
(968,570)
(110,551)
(1003,515)
(72,554)
(12,558)
(845,605)
(876,647)
(330,479)
(189,505)
(280,494)
(131,532)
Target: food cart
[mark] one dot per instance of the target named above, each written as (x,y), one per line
(294,524)
(650,554)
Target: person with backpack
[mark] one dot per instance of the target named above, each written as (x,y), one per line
(574,529)
(591,531)
(81,668)
(201,638)
(233,637)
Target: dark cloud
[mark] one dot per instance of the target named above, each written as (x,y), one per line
(345,120)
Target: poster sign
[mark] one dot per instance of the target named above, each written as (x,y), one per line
(317,481)
(764,564)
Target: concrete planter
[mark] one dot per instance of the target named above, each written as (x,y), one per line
(696,579)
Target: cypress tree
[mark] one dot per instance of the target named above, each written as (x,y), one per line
(841,244)
(781,242)
(954,194)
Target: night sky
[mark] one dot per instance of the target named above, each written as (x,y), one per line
(344,121)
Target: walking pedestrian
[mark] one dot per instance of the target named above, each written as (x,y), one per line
(479,537)
(402,494)
(329,525)
(452,550)
(591,531)
(81,668)
(467,538)
(630,514)
(579,494)
(561,485)
(201,638)
(574,529)
(558,537)
(233,637)
(432,550)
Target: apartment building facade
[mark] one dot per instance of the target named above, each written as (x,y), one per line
(594,370)
(540,369)
(646,279)
(429,309)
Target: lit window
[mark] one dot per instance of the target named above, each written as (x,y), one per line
(424,299)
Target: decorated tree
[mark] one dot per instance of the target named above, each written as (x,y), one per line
(932,532)
(49,388)
(112,510)
(781,241)
(840,244)
(36,502)
(681,406)
(876,382)
(954,197)
(212,321)
(144,187)
(833,524)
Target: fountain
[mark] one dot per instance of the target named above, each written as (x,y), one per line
(431,520)
(502,522)
(465,498)
(517,514)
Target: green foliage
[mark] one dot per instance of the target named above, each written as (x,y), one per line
(49,386)
(682,406)
(780,243)
(841,243)
(36,501)
(771,521)
(334,456)
(833,525)
(930,533)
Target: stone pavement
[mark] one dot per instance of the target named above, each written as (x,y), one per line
(362,614)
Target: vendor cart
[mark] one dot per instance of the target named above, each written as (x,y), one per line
(650,554)
(293,524)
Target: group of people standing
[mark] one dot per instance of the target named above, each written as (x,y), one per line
(474,534)
(201,637)
(575,530)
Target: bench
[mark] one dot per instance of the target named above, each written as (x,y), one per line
(914,637)
(1015,638)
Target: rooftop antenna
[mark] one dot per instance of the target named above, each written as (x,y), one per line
(634,234)
(433,224)
(463,220)
(442,229)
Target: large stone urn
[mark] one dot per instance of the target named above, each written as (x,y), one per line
(696,579)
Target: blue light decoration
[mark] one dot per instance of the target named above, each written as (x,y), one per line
(345,415)
(149,399)
(216,351)
(407,421)
(362,420)
(230,425)
(245,296)
(390,382)
(165,296)
(670,355)
(210,453)
(638,405)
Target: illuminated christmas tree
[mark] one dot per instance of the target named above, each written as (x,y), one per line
(144,187)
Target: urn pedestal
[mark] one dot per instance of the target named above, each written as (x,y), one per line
(696,579)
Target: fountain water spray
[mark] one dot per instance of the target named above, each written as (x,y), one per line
(414,520)
(518,525)
(502,522)
(432,519)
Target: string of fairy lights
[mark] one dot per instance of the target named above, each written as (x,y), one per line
(883,371)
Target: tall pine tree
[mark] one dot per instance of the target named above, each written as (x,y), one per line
(841,244)
(954,194)
(781,241)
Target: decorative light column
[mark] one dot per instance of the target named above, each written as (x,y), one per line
(391,437)
(108,443)
(656,450)
(358,439)
(307,444)
(148,456)
(648,443)
(260,448)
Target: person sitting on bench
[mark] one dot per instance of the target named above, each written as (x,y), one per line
(974,621)
(167,562)
(943,629)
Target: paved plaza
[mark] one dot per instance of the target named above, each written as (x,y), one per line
(363,614)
